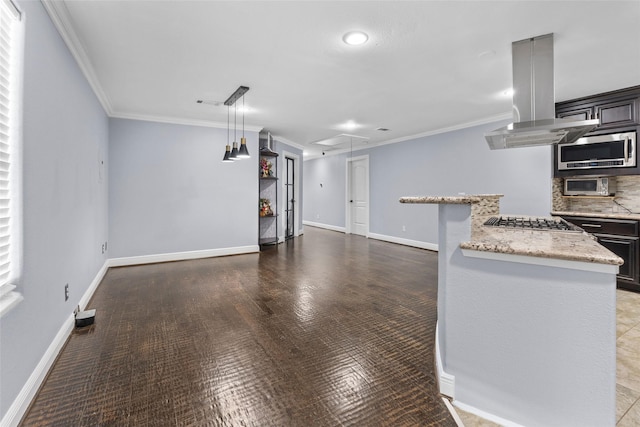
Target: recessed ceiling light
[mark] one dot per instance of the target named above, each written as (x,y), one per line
(383,129)
(355,38)
(350,125)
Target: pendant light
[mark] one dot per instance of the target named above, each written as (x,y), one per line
(234,150)
(244,152)
(230,153)
(227,153)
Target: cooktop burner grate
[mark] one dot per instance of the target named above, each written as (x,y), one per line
(556,224)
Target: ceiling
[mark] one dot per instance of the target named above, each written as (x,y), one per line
(428,66)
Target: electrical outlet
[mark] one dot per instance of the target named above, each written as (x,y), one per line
(317,216)
(404,228)
(103,248)
(66,292)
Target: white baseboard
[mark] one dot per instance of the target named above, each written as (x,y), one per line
(325,226)
(181,256)
(93,286)
(447,384)
(485,415)
(406,242)
(383,237)
(20,405)
(446,381)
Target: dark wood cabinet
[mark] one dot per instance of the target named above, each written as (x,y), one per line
(620,236)
(577,114)
(627,249)
(616,114)
(618,227)
(619,109)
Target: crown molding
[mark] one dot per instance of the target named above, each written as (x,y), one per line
(329,153)
(460,126)
(178,121)
(59,14)
(288,142)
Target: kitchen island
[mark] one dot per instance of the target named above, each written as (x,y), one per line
(526,319)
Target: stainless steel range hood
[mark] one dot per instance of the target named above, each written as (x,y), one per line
(534,101)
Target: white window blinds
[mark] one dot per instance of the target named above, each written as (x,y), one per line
(9,20)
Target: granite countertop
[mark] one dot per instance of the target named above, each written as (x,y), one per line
(571,246)
(618,215)
(460,199)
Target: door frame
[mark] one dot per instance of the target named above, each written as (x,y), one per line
(349,161)
(296,193)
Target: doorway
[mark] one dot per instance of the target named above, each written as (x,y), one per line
(291,192)
(358,195)
(289,197)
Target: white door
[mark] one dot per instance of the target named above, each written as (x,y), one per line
(359,196)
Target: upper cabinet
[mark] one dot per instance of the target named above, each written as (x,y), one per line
(616,110)
(619,114)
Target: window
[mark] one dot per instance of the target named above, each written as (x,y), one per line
(10,52)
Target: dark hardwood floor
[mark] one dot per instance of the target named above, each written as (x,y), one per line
(325,330)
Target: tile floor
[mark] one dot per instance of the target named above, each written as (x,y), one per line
(628,365)
(628,358)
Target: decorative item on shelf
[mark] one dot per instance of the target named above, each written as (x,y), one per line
(232,154)
(265,207)
(265,168)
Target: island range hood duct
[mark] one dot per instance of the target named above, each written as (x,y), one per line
(534,101)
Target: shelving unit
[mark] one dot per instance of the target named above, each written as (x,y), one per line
(268,194)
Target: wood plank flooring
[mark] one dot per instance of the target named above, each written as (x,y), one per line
(325,330)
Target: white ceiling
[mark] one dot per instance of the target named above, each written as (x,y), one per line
(428,65)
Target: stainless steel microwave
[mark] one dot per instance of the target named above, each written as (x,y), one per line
(589,186)
(616,150)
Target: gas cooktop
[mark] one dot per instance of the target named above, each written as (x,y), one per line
(553,224)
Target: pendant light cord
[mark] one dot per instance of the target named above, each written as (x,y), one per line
(235,116)
(227,125)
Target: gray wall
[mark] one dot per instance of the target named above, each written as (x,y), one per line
(503,361)
(324,190)
(65,201)
(169,190)
(444,164)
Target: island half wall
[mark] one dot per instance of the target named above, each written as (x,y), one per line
(526,323)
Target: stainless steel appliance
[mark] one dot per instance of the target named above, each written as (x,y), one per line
(616,150)
(534,117)
(532,223)
(589,186)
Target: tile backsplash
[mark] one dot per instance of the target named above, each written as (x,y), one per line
(627,198)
